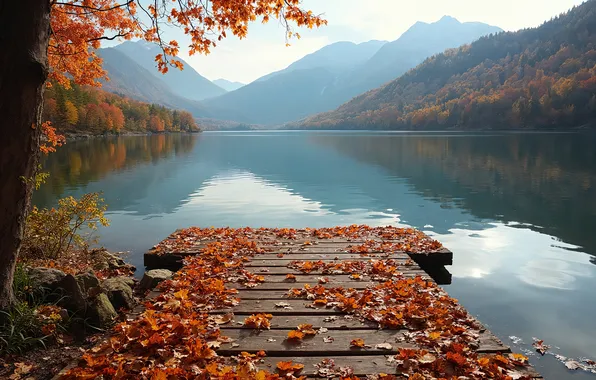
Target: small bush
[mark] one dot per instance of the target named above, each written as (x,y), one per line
(29,323)
(52,233)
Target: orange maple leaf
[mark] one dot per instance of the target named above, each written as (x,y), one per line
(357,343)
(295,335)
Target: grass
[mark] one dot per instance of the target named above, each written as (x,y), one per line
(21,328)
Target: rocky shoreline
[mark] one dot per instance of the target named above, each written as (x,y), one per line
(86,136)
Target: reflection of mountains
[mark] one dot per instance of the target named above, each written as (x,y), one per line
(544,180)
(124,168)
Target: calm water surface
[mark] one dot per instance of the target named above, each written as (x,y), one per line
(517,210)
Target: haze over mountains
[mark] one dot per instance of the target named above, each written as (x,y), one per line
(319,82)
(542,77)
(228,85)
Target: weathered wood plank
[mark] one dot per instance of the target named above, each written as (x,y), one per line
(314,256)
(313,278)
(275,343)
(284,285)
(285,270)
(361,364)
(343,321)
(297,307)
(288,259)
(260,294)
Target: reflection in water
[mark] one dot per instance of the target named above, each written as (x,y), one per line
(518,210)
(546,180)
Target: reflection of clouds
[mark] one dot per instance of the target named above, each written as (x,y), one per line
(503,250)
(243,191)
(249,200)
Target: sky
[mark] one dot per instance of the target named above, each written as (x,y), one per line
(265,51)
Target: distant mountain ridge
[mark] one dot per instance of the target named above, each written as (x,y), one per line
(336,57)
(542,77)
(228,85)
(130,79)
(334,74)
(187,83)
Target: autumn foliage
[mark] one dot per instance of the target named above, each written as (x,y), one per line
(78,27)
(534,78)
(177,337)
(84,109)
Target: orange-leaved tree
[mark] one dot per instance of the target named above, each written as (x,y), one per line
(57,40)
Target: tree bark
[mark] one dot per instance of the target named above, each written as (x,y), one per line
(24,39)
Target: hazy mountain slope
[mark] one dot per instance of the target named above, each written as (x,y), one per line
(349,70)
(395,58)
(336,57)
(130,79)
(187,83)
(228,85)
(535,78)
(284,97)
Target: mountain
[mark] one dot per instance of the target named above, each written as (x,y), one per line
(542,77)
(340,71)
(228,85)
(419,42)
(284,97)
(336,57)
(130,79)
(187,83)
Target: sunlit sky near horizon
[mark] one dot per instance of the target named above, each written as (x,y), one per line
(264,50)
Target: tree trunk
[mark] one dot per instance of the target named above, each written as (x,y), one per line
(24,39)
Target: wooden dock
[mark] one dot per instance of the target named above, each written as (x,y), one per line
(332,304)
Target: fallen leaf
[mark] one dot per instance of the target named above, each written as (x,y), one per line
(234,345)
(322,330)
(573,365)
(224,318)
(285,305)
(540,346)
(328,339)
(357,343)
(295,335)
(384,346)
(286,367)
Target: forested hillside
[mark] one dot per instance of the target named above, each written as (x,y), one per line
(92,111)
(534,78)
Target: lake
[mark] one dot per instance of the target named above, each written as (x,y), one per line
(517,209)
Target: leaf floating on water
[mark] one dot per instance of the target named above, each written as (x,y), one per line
(540,346)
(573,365)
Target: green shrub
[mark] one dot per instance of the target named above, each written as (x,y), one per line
(52,233)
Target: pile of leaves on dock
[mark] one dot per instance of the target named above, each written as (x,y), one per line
(176,338)
(366,238)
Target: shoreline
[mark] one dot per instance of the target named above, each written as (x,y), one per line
(86,136)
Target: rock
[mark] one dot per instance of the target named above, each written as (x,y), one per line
(119,292)
(72,296)
(154,277)
(46,278)
(103,260)
(87,280)
(100,311)
(54,285)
